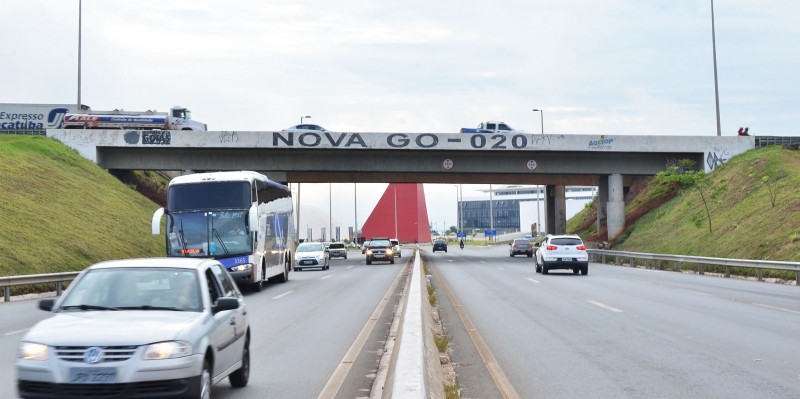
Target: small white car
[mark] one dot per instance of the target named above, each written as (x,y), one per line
(396,248)
(311,255)
(305,127)
(168,327)
(562,252)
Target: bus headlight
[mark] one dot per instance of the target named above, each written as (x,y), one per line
(242,268)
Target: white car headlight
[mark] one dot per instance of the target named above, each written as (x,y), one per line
(32,351)
(167,350)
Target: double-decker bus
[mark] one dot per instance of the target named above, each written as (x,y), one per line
(243,219)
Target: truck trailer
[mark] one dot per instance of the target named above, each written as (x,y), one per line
(179,118)
(35,116)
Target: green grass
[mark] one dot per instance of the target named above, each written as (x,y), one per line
(60,212)
(745,224)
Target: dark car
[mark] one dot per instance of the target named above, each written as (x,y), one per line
(380,251)
(521,246)
(337,250)
(440,245)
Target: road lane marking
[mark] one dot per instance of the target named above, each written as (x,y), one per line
(696,292)
(483,261)
(777,308)
(336,380)
(350,267)
(328,276)
(282,295)
(496,372)
(500,268)
(604,306)
(15,332)
(530,279)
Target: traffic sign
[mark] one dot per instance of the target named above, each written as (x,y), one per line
(531,164)
(461,234)
(490,233)
(448,164)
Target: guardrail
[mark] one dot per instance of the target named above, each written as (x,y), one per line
(763,141)
(700,261)
(58,278)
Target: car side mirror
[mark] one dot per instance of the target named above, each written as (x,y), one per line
(225,303)
(47,304)
(538,244)
(509,243)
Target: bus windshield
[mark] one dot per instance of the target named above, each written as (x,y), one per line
(220,234)
(209,196)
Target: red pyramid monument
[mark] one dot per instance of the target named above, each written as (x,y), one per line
(411,219)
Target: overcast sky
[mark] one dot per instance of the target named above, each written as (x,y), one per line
(608,67)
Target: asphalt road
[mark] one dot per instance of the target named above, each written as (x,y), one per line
(301,331)
(618,332)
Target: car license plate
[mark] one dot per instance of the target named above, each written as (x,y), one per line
(379,255)
(567,259)
(92,375)
(306,262)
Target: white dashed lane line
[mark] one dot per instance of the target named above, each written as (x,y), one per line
(328,276)
(777,308)
(15,332)
(532,280)
(282,295)
(604,306)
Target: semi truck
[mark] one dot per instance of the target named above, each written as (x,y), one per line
(179,118)
(35,116)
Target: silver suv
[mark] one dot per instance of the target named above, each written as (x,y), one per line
(562,252)
(161,327)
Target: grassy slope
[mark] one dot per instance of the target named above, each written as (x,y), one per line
(744,222)
(61,212)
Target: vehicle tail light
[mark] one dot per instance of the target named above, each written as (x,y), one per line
(581,247)
(552,247)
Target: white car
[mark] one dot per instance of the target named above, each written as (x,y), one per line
(562,252)
(396,248)
(311,255)
(305,127)
(169,327)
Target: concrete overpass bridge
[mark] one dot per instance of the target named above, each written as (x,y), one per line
(555,160)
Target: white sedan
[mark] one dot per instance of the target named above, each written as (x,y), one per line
(167,326)
(305,127)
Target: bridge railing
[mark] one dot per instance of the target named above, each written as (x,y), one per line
(649,260)
(763,141)
(35,132)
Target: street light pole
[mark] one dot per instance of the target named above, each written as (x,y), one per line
(355,209)
(330,212)
(458,225)
(491,210)
(301,118)
(541,117)
(716,85)
(395,210)
(80,14)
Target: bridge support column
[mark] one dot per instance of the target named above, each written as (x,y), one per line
(556,209)
(602,199)
(615,207)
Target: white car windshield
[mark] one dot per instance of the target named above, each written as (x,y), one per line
(134,289)
(311,247)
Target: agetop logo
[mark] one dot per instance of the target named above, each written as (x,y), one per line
(605,143)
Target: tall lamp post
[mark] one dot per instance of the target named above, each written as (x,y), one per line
(80,13)
(541,117)
(306,117)
(395,210)
(355,209)
(714,50)
(458,225)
